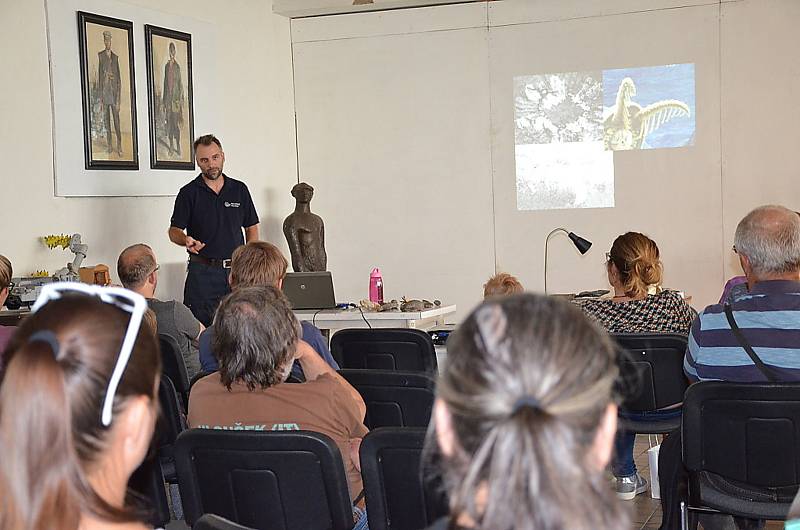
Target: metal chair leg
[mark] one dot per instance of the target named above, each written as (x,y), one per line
(684,516)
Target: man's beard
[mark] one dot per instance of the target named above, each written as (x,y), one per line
(210,175)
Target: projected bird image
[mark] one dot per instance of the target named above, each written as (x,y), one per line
(652,107)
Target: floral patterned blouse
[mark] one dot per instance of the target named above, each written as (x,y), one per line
(665,312)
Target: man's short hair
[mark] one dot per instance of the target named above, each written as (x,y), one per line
(134,264)
(770,238)
(257,263)
(255,337)
(207,139)
(502,284)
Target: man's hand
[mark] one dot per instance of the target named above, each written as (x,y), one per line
(194,246)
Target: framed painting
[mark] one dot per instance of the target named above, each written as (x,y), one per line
(169,94)
(105,48)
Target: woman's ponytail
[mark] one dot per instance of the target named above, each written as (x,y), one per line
(40,475)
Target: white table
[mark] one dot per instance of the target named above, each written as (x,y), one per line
(336,319)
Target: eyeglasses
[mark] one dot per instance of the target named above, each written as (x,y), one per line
(128,301)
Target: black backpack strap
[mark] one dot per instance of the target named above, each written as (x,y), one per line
(768,372)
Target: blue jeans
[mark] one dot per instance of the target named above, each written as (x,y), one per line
(205,286)
(622,464)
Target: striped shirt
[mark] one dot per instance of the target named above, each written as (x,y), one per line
(769,317)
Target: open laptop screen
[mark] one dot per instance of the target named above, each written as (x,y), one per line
(309,290)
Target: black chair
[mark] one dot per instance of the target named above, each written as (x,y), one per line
(740,447)
(651,378)
(210,521)
(393,399)
(291,480)
(146,486)
(409,350)
(174,367)
(399,495)
(171,422)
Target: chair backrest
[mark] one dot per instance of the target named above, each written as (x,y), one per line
(171,421)
(404,349)
(399,495)
(291,480)
(651,370)
(173,365)
(148,489)
(393,399)
(210,521)
(747,432)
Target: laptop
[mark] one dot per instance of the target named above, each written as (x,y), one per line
(309,290)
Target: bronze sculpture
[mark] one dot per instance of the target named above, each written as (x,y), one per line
(305,233)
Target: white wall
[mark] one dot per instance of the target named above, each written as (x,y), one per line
(401,120)
(422,97)
(254,120)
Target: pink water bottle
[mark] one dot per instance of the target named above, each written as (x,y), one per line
(376,286)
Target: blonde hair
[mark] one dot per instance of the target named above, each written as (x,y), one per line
(527,382)
(5,272)
(638,262)
(257,263)
(502,284)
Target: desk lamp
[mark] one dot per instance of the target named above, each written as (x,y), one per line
(580,243)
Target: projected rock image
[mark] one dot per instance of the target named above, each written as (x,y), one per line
(557,108)
(558,131)
(648,108)
(567,127)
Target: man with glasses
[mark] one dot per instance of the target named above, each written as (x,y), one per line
(208,219)
(750,338)
(138,271)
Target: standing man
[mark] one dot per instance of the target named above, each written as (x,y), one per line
(109,86)
(209,215)
(172,100)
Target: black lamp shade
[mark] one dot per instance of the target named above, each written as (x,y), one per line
(581,244)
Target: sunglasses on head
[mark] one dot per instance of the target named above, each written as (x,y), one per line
(128,301)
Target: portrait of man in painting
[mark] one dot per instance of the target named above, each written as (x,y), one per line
(106,53)
(169,72)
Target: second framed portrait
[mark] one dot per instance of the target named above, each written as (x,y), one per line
(169,92)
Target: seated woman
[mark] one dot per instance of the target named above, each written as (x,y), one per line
(524,419)
(635,270)
(639,305)
(77,410)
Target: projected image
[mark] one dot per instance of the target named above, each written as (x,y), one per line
(558,131)
(567,126)
(648,108)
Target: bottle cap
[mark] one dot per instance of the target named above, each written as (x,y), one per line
(375,272)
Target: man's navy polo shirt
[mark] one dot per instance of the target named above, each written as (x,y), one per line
(215,219)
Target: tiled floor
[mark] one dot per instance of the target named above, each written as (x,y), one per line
(646,510)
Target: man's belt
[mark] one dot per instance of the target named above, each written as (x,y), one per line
(211,262)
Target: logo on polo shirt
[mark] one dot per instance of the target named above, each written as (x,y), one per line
(232,204)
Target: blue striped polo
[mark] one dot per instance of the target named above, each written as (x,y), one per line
(769,317)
